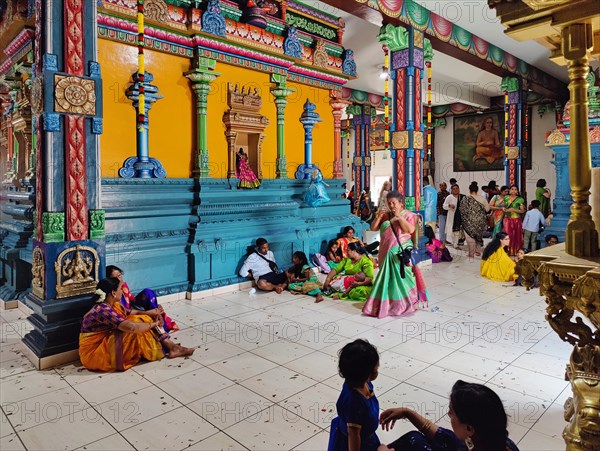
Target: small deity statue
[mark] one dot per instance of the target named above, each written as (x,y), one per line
(77,270)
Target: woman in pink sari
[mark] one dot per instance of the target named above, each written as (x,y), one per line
(244,173)
(399,286)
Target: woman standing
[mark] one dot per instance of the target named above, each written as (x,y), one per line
(473,211)
(357,261)
(385,189)
(514,207)
(543,194)
(115,338)
(399,285)
(497,206)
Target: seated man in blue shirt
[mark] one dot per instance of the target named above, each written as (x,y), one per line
(260,265)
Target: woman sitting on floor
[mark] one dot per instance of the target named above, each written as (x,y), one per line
(495,262)
(114,338)
(435,248)
(302,279)
(346,239)
(357,261)
(478,423)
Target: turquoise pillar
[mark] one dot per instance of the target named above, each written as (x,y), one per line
(308,119)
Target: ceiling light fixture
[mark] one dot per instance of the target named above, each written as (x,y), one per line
(383,73)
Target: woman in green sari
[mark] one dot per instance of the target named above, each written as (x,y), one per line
(497,206)
(357,261)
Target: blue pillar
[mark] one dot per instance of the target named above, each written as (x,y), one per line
(561,198)
(308,119)
(142,166)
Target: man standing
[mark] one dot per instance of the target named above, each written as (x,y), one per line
(441,213)
(260,265)
(429,203)
(454,220)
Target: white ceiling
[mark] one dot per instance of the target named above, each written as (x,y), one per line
(452,80)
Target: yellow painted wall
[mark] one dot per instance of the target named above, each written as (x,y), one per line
(172,119)
(170,136)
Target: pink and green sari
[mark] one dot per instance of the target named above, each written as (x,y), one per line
(393,295)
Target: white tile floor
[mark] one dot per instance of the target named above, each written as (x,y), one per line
(264,375)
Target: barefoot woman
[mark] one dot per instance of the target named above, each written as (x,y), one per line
(114,338)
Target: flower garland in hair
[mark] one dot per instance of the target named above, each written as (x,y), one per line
(101,295)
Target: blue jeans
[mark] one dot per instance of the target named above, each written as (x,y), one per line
(442,227)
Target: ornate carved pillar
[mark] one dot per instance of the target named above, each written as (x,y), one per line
(409,49)
(513,163)
(201,76)
(361,163)
(68,252)
(280,91)
(337,108)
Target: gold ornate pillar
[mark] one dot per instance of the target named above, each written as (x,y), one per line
(569,274)
(581,236)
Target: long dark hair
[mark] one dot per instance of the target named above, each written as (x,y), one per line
(330,245)
(493,245)
(297,269)
(107,285)
(481,408)
(429,233)
(357,247)
(346,230)
(112,268)
(358,361)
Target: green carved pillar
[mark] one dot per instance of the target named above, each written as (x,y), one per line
(201,76)
(280,91)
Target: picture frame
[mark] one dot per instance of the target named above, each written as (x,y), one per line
(469,129)
(466,155)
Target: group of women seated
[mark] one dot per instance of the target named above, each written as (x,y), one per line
(121,329)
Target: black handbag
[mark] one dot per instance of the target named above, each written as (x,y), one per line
(405,254)
(272,265)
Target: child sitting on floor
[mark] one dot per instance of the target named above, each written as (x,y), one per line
(435,248)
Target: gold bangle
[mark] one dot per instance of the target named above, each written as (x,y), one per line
(424,428)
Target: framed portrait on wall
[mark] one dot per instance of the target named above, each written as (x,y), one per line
(479,142)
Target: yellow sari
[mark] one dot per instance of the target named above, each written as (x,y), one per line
(499,267)
(103,347)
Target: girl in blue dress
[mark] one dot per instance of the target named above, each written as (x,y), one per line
(316,194)
(357,407)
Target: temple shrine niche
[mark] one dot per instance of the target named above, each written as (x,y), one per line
(245,127)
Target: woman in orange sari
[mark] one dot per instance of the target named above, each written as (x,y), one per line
(347,238)
(114,338)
